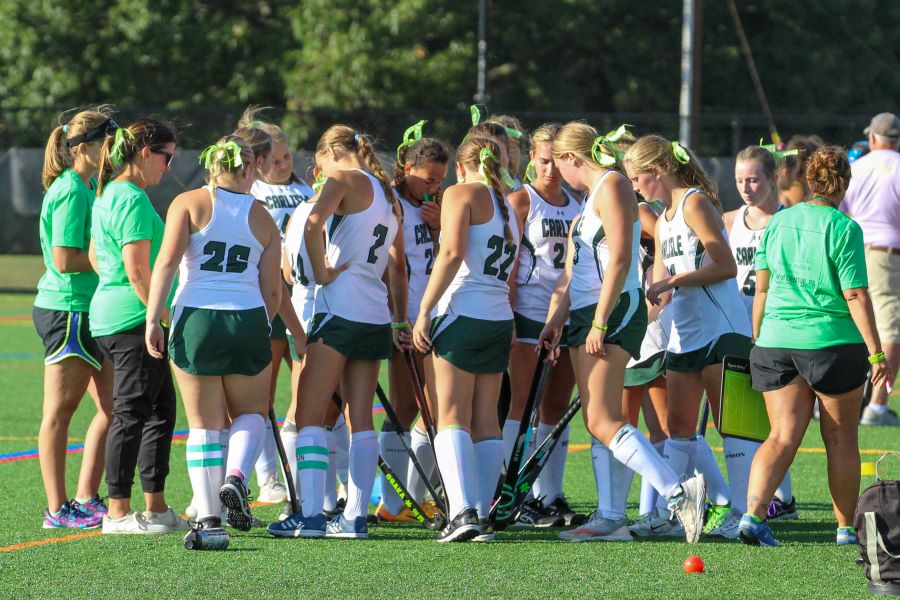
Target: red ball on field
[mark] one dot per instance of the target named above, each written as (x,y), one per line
(693,564)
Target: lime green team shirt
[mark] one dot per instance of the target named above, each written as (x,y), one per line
(122,215)
(812,254)
(66,222)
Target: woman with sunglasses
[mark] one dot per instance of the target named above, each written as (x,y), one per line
(73,363)
(126,235)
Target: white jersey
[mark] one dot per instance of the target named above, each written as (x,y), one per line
(744,244)
(420,254)
(700,314)
(220,267)
(362,241)
(592,255)
(479,289)
(282,199)
(303,292)
(542,259)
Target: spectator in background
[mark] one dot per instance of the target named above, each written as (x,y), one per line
(873,200)
(858,150)
(792,187)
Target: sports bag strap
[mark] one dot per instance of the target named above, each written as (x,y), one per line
(878,462)
(872,549)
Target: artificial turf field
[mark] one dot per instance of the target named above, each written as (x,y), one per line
(397,560)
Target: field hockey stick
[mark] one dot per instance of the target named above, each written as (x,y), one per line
(501,511)
(398,427)
(285,464)
(419,395)
(532,468)
(704,418)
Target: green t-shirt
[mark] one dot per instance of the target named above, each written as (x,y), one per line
(812,254)
(66,222)
(122,215)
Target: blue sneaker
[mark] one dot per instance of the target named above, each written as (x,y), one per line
(756,534)
(846,536)
(339,527)
(297,525)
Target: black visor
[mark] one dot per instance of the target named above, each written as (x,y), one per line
(107,127)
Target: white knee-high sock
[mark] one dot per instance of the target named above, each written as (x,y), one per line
(456,460)
(363,462)
(622,478)
(243,444)
(206,470)
(223,437)
(705,462)
(510,431)
(649,495)
(288,433)
(267,463)
(784,491)
(635,451)
(549,484)
(331,496)
(312,464)
(601,461)
(419,444)
(341,450)
(394,454)
(489,458)
(677,454)
(738,458)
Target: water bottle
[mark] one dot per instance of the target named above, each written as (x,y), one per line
(214,538)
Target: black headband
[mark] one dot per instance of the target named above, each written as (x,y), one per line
(107,127)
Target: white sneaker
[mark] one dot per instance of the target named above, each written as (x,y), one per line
(133,523)
(653,525)
(272,491)
(728,529)
(191,511)
(888,417)
(599,528)
(168,520)
(687,507)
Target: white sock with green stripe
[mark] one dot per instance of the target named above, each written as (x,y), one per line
(363,462)
(206,470)
(549,484)
(243,444)
(312,465)
(489,457)
(394,454)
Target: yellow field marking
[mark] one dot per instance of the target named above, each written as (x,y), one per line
(862,451)
(13,318)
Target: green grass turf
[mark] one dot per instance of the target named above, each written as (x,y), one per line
(397,560)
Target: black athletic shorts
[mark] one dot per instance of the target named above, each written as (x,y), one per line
(832,370)
(66,334)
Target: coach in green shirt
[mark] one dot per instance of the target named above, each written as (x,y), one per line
(814,328)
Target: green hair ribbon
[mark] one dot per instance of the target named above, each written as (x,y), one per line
(604,160)
(681,155)
(117,152)
(483,157)
(319,182)
(411,136)
(508,179)
(617,134)
(530,172)
(476,112)
(231,154)
(778,154)
(513,133)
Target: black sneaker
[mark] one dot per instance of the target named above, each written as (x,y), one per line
(338,509)
(485,531)
(532,511)
(779,510)
(559,514)
(462,528)
(234,496)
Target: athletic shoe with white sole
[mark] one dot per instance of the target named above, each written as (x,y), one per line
(728,529)
(169,520)
(298,526)
(355,529)
(485,531)
(653,525)
(888,417)
(780,510)
(462,528)
(404,516)
(559,514)
(131,524)
(272,491)
(716,516)
(846,536)
(753,533)
(71,517)
(598,528)
(234,496)
(687,507)
(530,513)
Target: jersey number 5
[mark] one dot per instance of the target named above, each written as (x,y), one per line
(749,288)
(380,232)
(237,258)
(499,247)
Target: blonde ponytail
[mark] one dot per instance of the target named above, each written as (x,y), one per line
(482,154)
(655,154)
(57,154)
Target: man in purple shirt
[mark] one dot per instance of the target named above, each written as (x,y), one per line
(873,200)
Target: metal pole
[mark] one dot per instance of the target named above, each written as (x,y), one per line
(685,105)
(481,96)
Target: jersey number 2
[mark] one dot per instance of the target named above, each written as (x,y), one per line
(380,232)
(237,258)
(499,247)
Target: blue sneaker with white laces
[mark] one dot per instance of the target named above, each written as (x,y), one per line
(356,528)
(755,533)
(298,526)
(846,536)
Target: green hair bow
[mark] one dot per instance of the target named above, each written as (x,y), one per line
(681,155)
(483,157)
(231,154)
(319,182)
(617,134)
(410,136)
(477,115)
(530,171)
(604,160)
(117,152)
(778,154)
(513,133)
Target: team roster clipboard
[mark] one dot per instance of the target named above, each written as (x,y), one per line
(742,410)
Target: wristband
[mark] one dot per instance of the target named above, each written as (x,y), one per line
(876,358)
(165,325)
(597,325)
(403,325)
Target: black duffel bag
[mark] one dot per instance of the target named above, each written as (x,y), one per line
(877,523)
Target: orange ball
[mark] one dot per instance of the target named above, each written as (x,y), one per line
(693,564)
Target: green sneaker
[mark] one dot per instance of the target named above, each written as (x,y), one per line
(716,517)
